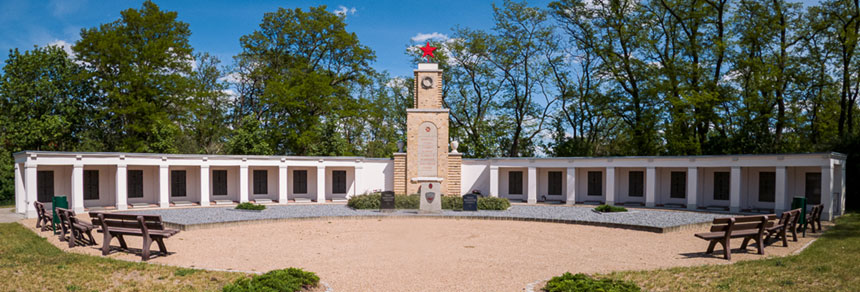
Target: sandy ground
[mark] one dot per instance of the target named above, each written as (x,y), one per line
(425,254)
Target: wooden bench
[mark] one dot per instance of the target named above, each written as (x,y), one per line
(779,229)
(149,227)
(814,217)
(746,227)
(44,218)
(75,228)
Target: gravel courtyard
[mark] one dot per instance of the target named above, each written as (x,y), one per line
(649,219)
(431,254)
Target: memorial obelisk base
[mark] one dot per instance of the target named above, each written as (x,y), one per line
(430,193)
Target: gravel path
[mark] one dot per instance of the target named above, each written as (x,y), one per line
(637,218)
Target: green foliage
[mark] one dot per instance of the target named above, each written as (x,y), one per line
(250,206)
(291,279)
(141,66)
(493,203)
(608,209)
(582,282)
(248,138)
(452,202)
(365,201)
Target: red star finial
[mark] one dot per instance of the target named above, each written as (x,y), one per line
(428,51)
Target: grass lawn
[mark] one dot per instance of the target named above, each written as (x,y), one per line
(29,263)
(832,263)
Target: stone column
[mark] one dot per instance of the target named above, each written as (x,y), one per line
(570,192)
(494,181)
(610,186)
(163,186)
(735,190)
(400,173)
(650,186)
(692,187)
(30,187)
(243,183)
(204,184)
(282,184)
(77,203)
(841,186)
(356,181)
(780,198)
(320,184)
(827,191)
(532,187)
(20,191)
(121,187)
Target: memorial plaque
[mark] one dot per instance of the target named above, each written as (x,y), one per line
(470,202)
(386,202)
(427,150)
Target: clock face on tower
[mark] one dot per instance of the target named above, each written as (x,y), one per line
(427,82)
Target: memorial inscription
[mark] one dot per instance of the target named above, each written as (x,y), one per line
(427,150)
(386,202)
(470,202)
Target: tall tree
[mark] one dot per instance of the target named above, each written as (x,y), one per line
(141,64)
(296,73)
(43,94)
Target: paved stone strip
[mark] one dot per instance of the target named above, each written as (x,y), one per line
(651,220)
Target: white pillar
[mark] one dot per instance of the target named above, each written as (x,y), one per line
(532,187)
(163,186)
(30,188)
(650,186)
(827,192)
(779,201)
(692,187)
(121,187)
(243,183)
(494,181)
(356,181)
(735,190)
(282,184)
(610,186)
(570,192)
(320,184)
(204,185)
(20,192)
(77,202)
(842,193)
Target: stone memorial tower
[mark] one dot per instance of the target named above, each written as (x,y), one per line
(427,159)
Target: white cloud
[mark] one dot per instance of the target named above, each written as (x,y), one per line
(66,46)
(344,11)
(232,77)
(421,37)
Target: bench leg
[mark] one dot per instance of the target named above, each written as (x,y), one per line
(161,246)
(794,234)
(72,237)
(144,252)
(106,243)
(744,244)
(760,242)
(727,251)
(711,246)
(784,236)
(90,235)
(121,241)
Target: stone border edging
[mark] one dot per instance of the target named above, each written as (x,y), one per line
(189,227)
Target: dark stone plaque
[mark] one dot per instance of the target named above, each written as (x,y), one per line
(470,202)
(386,202)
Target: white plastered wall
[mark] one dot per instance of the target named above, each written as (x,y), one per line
(312,183)
(232,183)
(475,175)
(543,184)
(664,186)
(504,192)
(107,186)
(192,183)
(150,184)
(350,179)
(706,198)
(582,184)
(62,181)
(622,185)
(271,183)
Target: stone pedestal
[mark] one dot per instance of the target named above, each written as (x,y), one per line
(430,193)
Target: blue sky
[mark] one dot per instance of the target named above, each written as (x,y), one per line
(386,26)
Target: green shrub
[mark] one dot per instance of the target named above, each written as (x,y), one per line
(452,202)
(407,202)
(365,201)
(607,208)
(582,282)
(291,279)
(492,203)
(250,206)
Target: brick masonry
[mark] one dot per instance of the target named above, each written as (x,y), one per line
(400,173)
(455,160)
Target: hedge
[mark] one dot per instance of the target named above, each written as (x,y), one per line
(250,206)
(371,201)
(582,282)
(290,279)
(607,209)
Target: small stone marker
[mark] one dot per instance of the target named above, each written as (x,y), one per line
(470,202)
(431,201)
(386,201)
